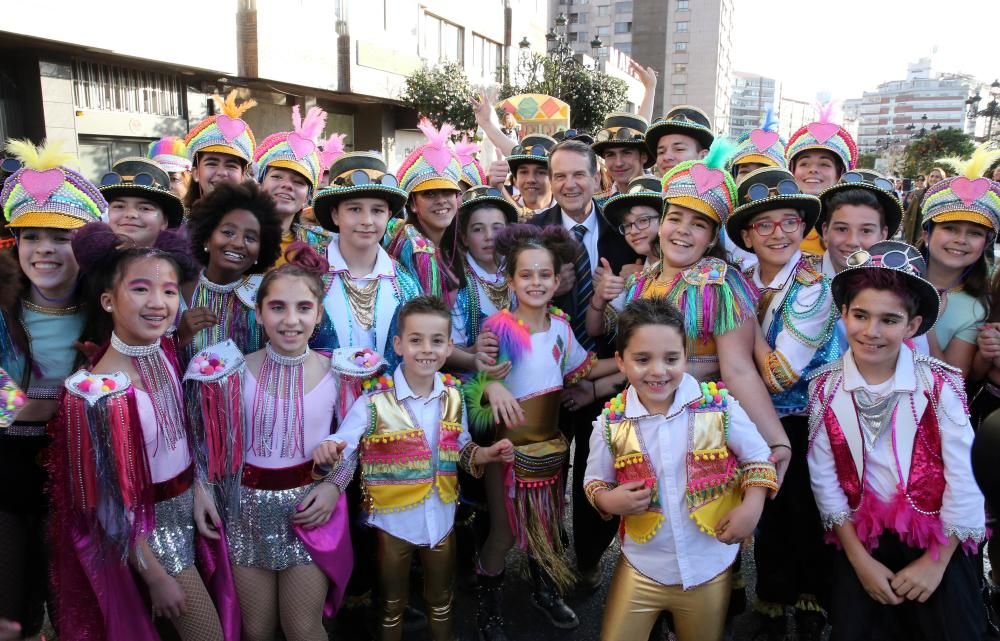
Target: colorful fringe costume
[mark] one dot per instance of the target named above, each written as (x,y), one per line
(234,305)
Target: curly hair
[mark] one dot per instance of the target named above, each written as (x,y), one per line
(514,239)
(209,211)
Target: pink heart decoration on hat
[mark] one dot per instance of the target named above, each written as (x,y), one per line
(438,157)
(300,145)
(822,131)
(969,191)
(230,127)
(763,139)
(705,178)
(41,184)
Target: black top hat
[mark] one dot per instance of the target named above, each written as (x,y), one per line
(766,189)
(573,134)
(532,148)
(871,181)
(623,130)
(359,174)
(474,197)
(686,120)
(644,190)
(899,257)
(143,178)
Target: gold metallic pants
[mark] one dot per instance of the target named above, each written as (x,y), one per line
(394,558)
(635,601)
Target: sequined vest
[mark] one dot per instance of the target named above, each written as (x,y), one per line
(397,464)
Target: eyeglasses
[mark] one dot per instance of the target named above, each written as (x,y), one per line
(893,259)
(360,177)
(113,178)
(855,177)
(638,224)
(759,191)
(767,227)
(534,150)
(623,134)
(481,192)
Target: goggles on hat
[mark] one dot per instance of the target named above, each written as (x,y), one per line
(623,134)
(534,150)
(10,165)
(360,177)
(113,178)
(570,133)
(893,259)
(642,189)
(481,192)
(759,191)
(855,177)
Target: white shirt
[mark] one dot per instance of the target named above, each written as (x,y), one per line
(962,505)
(590,237)
(679,553)
(429,522)
(458,330)
(350,333)
(828,269)
(555,355)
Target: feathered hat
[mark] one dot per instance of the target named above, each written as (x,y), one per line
(359,174)
(762,145)
(703,185)
(170,153)
(472,172)
(826,135)
(432,165)
(299,150)
(766,189)
(46,193)
(143,178)
(967,196)
(224,133)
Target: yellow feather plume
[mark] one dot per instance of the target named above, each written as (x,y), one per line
(229,106)
(46,156)
(975,167)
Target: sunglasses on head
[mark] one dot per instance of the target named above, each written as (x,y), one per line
(9,165)
(638,189)
(113,178)
(623,134)
(534,150)
(360,177)
(893,259)
(481,192)
(759,191)
(855,177)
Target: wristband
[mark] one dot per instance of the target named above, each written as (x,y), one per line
(777,445)
(596,309)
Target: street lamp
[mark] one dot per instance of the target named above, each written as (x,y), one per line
(991,111)
(524,44)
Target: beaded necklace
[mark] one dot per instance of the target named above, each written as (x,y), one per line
(231,312)
(158,381)
(281,378)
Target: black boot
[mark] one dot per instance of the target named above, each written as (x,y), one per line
(546,598)
(489,598)
(809,625)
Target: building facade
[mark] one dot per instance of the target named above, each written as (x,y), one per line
(751,96)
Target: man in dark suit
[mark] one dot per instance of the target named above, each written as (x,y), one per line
(574,178)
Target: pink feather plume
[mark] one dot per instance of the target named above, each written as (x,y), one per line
(332,149)
(466,150)
(827,111)
(312,125)
(436,137)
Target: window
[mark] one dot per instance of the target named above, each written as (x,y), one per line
(107,87)
(680,46)
(578,18)
(680,67)
(679,89)
(682,27)
(624,47)
(682,5)
(623,27)
(486,57)
(623,7)
(574,36)
(603,31)
(604,10)
(441,41)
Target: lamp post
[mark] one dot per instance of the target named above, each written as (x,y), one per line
(991,111)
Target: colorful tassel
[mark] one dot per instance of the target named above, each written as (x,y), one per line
(512,334)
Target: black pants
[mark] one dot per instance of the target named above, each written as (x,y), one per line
(791,557)
(954,612)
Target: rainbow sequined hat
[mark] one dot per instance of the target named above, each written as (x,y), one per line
(901,258)
(472,172)
(359,174)
(824,135)
(872,182)
(43,192)
(432,165)
(766,189)
(299,150)
(685,120)
(170,153)
(623,130)
(224,133)
(644,190)
(703,185)
(143,178)
(968,196)
(762,145)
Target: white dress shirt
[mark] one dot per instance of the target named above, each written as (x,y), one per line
(679,553)
(590,237)
(350,333)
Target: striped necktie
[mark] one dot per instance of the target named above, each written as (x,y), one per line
(583,291)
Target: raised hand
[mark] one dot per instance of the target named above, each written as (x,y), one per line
(607,286)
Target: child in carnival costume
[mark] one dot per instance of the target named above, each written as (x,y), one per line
(220,147)
(795,335)
(170,152)
(473,174)
(889,457)
(426,240)
(289,167)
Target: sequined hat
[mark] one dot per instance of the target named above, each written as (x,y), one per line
(359,174)
(703,185)
(824,135)
(484,194)
(766,189)
(762,145)
(43,192)
(432,165)
(685,120)
(472,172)
(533,148)
(170,152)
(901,258)
(644,190)
(968,196)
(299,150)
(870,181)
(143,178)
(223,133)
(623,130)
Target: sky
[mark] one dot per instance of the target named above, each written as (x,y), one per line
(849,46)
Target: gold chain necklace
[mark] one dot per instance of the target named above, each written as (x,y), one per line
(49,311)
(361,300)
(498,292)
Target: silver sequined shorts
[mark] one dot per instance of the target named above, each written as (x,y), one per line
(262,536)
(172,542)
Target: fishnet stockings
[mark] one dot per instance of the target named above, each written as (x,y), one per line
(297,594)
(200,621)
(23,572)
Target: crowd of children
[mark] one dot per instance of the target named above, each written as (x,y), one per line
(243,385)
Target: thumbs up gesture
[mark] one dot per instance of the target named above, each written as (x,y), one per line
(496,175)
(607,285)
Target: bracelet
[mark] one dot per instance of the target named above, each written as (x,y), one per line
(596,309)
(777,445)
